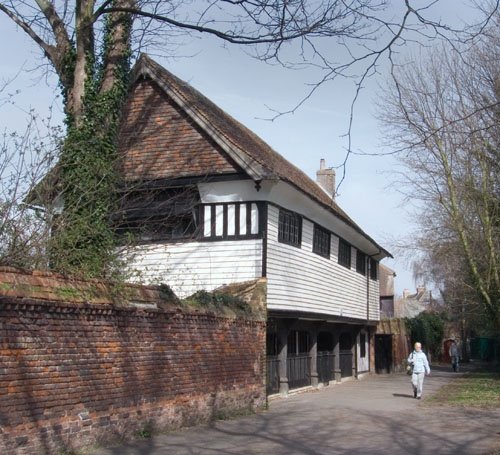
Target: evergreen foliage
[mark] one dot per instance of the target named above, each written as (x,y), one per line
(83,240)
(428,329)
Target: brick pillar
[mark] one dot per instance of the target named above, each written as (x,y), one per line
(313,353)
(336,352)
(282,355)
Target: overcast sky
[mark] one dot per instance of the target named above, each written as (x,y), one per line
(246,89)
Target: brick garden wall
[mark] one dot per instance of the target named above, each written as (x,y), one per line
(75,374)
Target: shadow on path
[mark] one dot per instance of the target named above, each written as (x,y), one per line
(372,416)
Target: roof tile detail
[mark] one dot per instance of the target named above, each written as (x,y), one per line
(158,140)
(250,152)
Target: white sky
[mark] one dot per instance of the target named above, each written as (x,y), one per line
(243,87)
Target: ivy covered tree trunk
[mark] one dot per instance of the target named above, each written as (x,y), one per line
(83,241)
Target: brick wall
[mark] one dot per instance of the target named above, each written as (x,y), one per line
(74,374)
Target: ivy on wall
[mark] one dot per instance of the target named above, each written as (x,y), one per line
(83,241)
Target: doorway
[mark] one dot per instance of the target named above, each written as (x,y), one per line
(383,353)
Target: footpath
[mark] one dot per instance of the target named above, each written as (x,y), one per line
(376,415)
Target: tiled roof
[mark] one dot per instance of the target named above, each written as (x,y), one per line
(249,151)
(386,281)
(158,140)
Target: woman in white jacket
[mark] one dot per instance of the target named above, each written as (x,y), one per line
(420,364)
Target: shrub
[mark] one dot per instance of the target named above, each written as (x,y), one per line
(428,329)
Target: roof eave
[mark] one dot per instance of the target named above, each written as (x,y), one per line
(379,255)
(256,171)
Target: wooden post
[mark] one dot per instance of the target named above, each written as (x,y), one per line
(313,354)
(336,352)
(355,333)
(283,330)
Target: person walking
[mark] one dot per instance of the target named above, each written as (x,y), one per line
(454,352)
(420,365)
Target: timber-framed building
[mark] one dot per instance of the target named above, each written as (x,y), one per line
(211,204)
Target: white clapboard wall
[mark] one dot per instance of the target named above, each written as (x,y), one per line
(188,267)
(300,280)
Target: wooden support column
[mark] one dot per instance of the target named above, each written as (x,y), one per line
(355,332)
(371,348)
(283,329)
(336,352)
(313,354)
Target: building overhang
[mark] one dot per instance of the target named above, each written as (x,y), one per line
(318,318)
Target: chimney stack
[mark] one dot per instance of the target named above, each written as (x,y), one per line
(325,178)
(420,289)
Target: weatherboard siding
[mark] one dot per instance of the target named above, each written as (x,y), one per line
(300,280)
(191,266)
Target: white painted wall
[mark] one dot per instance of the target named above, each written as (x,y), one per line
(191,266)
(289,197)
(300,280)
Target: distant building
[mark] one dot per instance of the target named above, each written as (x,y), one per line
(411,305)
(392,343)
(386,286)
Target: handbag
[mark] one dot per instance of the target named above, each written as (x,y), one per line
(409,367)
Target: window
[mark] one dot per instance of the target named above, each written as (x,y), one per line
(298,342)
(344,253)
(360,262)
(290,228)
(321,241)
(387,307)
(272,344)
(373,269)
(154,215)
(237,220)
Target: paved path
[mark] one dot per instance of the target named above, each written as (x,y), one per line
(372,416)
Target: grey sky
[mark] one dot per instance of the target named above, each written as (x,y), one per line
(244,87)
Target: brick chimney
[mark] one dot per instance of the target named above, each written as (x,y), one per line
(420,289)
(325,178)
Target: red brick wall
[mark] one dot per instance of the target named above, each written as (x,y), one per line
(73,374)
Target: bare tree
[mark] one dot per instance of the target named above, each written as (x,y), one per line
(71,35)
(89,45)
(25,157)
(442,116)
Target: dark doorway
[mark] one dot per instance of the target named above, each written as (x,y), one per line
(298,361)
(345,345)
(325,341)
(325,357)
(272,363)
(383,353)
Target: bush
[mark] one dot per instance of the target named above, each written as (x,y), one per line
(218,300)
(428,329)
